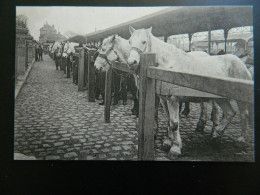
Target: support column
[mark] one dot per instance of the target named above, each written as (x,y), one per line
(209,41)
(190,37)
(225,36)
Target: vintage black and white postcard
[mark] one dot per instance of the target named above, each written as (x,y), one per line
(134,83)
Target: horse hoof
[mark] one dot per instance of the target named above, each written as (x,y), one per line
(215,138)
(199,129)
(186,112)
(174,153)
(214,134)
(167,144)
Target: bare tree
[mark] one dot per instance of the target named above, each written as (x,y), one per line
(21,21)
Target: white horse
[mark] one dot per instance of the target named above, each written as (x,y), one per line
(69,48)
(57,48)
(168,56)
(115,48)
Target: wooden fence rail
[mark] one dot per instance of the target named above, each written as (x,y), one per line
(192,84)
(108,87)
(204,86)
(237,89)
(85,70)
(233,88)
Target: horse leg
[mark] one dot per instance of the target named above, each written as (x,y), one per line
(157,101)
(180,106)
(214,110)
(173,131)
(244,116)
(203,117)
(228,114)
(186,110)
(214,118)
(166,142)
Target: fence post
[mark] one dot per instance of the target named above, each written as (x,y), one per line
(108,86)
(68,63)
(81,70)
(91,76)
(146,109)
(64,64)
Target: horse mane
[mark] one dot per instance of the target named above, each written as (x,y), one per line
(124,47)
(166,50)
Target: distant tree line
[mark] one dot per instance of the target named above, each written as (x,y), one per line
(21,21)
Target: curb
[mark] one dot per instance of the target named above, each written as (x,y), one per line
(22,79)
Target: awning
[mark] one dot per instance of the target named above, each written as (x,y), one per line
(172,21)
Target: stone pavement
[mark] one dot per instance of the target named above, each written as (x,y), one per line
(53,121)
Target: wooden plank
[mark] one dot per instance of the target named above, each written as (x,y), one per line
(68,64)
(163,88)
(146,109)
(81,70)
(91,76)
(121,66)
(108,86)
(237,89)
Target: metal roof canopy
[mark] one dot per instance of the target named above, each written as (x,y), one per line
(172,21)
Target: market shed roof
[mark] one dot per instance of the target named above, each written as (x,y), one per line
(172,21)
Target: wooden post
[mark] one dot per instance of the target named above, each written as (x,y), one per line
(81,70)
(165,38)
(146,109)
(73,68)
(64,64)
(108,86)
(225,36)
(68,67)
(91,76)
(209,41)
(190,37)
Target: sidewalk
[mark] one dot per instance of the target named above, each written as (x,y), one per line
(22,79)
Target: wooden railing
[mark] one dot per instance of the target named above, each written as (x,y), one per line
(108,86)
(149,77)
(194,85)
(237,89)
(85,70)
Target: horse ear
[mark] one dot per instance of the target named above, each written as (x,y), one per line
(149,30)
(131,29)
(113,37)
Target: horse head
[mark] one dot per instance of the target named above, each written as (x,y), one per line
(107,54)
(65,50)
(139,42)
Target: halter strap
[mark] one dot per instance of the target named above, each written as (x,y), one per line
(104,56)
(137,50)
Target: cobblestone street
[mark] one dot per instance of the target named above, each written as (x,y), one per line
(54,121)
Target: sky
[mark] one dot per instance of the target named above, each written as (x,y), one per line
(81,20)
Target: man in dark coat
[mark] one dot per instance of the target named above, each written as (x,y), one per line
(40,52)
(36,52)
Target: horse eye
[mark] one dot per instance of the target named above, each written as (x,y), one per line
(144,42)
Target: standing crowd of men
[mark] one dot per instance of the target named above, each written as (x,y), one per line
(38,52)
